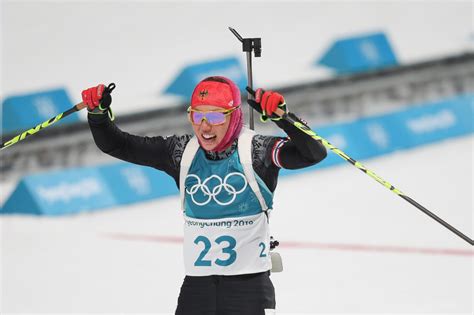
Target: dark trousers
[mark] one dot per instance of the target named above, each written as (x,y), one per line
(248,294)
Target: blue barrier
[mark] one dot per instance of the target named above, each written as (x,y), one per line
(191,75)
(22,112)
(361,53)
(61,192)
(131,183)
(414,126)
(85,189)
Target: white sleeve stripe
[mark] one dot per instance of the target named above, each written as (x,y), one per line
(276,153)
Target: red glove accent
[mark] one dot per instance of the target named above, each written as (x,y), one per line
(269,101)
(92,96)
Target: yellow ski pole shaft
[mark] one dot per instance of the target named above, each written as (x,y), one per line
(302,127)
(41,126)
(372,174)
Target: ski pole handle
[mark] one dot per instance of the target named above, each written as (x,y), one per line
(49,122)
(278,111)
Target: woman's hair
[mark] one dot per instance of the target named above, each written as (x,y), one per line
(216,79)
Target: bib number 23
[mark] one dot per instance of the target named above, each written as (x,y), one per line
(229,250)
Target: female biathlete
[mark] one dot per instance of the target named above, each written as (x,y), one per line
(226,175)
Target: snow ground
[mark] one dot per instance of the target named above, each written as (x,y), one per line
(348,245)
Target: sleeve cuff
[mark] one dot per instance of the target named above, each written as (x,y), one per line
(276,152)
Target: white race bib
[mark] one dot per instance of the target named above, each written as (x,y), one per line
(229,246)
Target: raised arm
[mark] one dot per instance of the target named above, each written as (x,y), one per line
(156,151)
(148,151)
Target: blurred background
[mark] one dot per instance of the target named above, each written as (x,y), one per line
(390,83)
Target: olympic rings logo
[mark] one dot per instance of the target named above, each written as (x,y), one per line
(211,194)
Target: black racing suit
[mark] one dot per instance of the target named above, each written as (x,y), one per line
(240,294)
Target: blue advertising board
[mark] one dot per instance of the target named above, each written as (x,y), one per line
(84,189)
(360,53)
(190,76)
(414,126)
(60,192)
(21,112)
(131,183)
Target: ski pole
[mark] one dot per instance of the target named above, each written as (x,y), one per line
(49,122)
(249,44)
(302,127)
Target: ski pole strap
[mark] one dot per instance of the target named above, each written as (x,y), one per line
(105,102)
(106,98)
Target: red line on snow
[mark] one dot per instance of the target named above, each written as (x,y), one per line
(312,245)
(379,248)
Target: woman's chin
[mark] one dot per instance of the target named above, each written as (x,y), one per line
(208,145)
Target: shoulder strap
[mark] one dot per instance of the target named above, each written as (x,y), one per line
(245,155)
(188,155)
